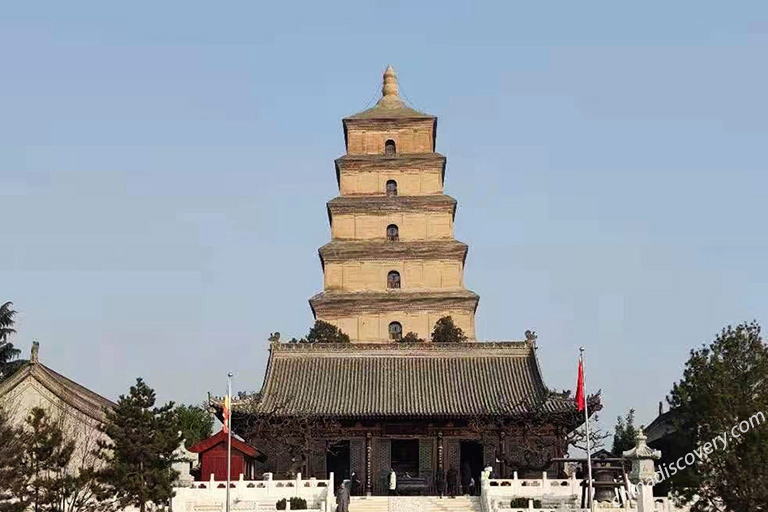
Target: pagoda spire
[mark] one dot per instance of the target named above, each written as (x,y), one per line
(390,97)
(389,87)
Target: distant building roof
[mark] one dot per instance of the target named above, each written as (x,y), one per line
(68,391)
(662,426)
(356,380)
(221,438)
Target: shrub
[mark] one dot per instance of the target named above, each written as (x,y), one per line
(523,503)
(296,504)
(323,332)
(447,332)
(411,337)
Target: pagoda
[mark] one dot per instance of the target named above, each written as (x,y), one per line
(387,401)
(393,265)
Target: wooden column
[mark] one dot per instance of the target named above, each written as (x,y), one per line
(368,479)
(503,453)
(440,463)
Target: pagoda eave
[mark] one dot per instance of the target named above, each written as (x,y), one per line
(338,303)
(383,250)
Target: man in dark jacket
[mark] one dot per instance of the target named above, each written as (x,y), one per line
(356,485)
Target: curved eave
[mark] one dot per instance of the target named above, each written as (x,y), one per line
(400,380)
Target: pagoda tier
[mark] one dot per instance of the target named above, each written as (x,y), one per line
(393,265)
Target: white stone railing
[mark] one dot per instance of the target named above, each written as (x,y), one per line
(532,487)
(254,495)
(498,493)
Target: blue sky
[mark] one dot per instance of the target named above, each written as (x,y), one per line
(164,168)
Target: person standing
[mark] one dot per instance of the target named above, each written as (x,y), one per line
(355,484)
(440,483)
(392,482)
(453,480)
(342,499)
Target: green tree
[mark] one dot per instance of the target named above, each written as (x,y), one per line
(11,451)
(324,332)
(447,332)
(723,385)
(624,434)
(411,337)
(7,351)
(138,456)
(195,423)
(43,467)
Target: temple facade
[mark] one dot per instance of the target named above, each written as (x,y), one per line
(377,404)
(393,265)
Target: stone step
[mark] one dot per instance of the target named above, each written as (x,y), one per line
(414,504)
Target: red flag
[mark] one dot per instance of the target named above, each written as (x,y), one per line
(580,400)
(226,412)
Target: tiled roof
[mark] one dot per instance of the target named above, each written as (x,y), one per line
(394,109)
(70,392)
(402,380)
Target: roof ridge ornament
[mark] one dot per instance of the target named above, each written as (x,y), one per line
(33,355)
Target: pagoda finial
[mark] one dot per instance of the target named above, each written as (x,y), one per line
(389,88)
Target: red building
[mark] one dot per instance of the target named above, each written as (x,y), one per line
(213,458)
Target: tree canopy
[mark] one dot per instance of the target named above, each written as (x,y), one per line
(447,332)
(195,423)
(624,434)
(411,337)
(139,453)
(7,351)
(724,387)
(322,332)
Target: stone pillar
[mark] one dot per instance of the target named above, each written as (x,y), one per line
(642,457)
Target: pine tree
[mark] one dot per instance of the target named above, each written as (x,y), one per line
(139,455)
(11,451)
(43,477)
(7,351)
(724,387)
(624,434)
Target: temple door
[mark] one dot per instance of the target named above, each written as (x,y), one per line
(381,463)
(357,458)
(453,457)
(426,460)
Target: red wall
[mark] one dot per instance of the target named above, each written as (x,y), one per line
(215,461)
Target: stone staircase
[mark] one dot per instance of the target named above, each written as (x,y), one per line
(414,504)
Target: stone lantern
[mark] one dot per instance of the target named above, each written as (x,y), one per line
(642,457)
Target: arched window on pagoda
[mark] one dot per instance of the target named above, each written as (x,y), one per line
(395,331)
(389,148)
(391,188)
(393,279)
(393,233)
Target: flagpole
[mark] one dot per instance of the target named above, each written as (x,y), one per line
(586,424)
(229,435)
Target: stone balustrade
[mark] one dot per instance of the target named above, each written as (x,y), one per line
(254,495)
